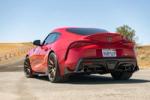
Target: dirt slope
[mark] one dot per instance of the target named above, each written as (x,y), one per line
(143,53)
(11,52)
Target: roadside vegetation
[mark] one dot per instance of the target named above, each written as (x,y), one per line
(143,52)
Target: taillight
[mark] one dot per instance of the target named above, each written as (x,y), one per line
(79,44)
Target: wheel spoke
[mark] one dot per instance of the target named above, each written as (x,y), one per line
(52,72)
(51,66)
(51,62)
(25,64)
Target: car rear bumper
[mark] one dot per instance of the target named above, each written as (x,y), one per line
(104,65)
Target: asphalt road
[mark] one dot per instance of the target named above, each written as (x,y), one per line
(14,86)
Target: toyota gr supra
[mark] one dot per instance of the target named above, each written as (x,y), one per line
(67,51)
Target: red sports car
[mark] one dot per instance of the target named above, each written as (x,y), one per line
(81,50)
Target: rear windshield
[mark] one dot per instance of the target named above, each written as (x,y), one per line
(86,31)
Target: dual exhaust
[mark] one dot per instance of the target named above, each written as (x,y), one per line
(123,67)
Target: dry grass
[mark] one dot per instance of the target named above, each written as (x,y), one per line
(143,53)
(10,52)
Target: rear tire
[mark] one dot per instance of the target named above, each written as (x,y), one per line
(53,70)
(121,75)
(27,68)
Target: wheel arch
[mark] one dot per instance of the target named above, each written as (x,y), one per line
(47,57)
(51,51)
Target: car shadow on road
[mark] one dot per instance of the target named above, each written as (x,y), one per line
(95,79)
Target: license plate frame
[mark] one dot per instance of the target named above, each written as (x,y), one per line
(109,53)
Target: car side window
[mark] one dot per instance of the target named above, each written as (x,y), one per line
(52,37)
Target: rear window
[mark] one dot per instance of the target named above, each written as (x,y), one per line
(86,31)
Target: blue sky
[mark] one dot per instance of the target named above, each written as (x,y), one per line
(27,20)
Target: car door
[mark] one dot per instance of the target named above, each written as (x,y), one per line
(44,49)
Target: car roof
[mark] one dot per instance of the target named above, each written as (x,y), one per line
(75,28)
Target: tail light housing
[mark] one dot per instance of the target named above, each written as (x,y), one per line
(79,44)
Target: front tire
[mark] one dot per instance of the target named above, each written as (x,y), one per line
(53,69)
(121,75)
(27,68)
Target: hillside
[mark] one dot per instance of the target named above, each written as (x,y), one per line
(11,52)
(14,51)
(143,53)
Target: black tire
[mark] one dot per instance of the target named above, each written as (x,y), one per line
(121,75)
(27,68)
(53,69)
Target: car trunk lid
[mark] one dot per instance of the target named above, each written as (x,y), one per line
(105,37)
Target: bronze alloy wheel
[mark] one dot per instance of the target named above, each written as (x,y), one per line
(51,69)
(27,68)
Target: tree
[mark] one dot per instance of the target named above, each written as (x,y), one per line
(127,31)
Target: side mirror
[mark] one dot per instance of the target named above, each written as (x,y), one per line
(37,42)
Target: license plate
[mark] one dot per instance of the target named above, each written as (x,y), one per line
(109,53)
